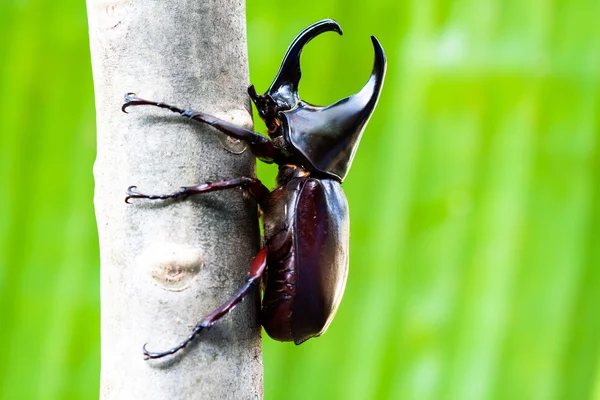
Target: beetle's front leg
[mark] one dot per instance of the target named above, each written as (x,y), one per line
(255,188)
(260,146)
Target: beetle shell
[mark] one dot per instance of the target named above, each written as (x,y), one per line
(299,303)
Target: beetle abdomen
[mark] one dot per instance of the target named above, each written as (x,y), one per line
(321,241)
(307,263)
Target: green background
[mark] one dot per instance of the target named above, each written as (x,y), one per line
(475,201)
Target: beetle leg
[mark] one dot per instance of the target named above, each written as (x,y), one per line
(260,146)
(254,186)
(257,268)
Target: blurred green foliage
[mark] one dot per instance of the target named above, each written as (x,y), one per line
(475,200)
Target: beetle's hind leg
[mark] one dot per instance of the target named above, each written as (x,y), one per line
(257,268)
(260,146)
(254,186)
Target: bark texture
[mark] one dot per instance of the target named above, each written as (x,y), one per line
(167,264)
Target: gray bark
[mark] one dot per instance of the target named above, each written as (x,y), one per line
(167,264)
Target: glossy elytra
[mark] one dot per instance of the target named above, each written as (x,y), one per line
(304,263)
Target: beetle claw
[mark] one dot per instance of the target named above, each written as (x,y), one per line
(147,354)
(131,99)
(134,194)
(153,355)
(131,193)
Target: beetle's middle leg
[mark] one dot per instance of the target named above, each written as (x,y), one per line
(254,186)
(260,146)
(257,268)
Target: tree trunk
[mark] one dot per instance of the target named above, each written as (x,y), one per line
(166,264)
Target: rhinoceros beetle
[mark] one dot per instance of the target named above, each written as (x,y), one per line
(304,261)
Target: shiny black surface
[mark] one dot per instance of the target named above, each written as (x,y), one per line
(321,139)
(321,248)
(284,89)
(327,137)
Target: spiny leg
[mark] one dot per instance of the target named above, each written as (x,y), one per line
(254,186)
(257,268)
(260,146)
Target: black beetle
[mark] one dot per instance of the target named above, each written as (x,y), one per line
(306,222)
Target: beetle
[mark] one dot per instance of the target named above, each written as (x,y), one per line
(304,261)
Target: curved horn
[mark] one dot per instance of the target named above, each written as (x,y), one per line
(366,99)
(327,137)
(285,86)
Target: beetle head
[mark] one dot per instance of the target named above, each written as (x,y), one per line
(324,139)
(267,109)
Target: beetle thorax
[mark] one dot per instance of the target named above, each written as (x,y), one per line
(268,110)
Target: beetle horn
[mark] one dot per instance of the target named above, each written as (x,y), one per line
(363,103)
(373,86)
(327,137)
(284,88)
